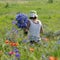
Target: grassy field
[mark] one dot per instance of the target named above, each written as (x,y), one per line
(49,14)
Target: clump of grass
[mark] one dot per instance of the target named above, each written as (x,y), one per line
(50,1)
(7,5)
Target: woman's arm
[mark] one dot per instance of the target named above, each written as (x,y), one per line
(41,31)
(27,28)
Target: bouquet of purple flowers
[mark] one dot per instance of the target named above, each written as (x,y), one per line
(22,20)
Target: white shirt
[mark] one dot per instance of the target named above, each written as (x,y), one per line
(34,29)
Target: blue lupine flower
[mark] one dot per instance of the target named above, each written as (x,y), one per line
(14,22)
(17,55)
(16,50)
(22,20)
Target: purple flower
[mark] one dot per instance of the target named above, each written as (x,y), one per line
(21,16)
(17,55)
(22,20)
(14,22)
(16,50)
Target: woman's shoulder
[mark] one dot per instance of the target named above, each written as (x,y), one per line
(39,22)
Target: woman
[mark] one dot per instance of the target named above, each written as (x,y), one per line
(34,27)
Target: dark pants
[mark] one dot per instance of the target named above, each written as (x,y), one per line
(34,42)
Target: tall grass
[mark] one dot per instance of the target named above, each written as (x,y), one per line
(49,14)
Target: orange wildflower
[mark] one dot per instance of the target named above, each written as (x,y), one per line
(31,49)
(17,43)
(52,58)
(7,41)
(13,43)
(46,39)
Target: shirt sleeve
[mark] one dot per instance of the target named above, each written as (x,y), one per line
(28,25)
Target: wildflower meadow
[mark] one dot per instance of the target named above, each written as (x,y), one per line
(14,44)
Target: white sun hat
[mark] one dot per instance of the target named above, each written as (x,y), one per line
(33,13)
